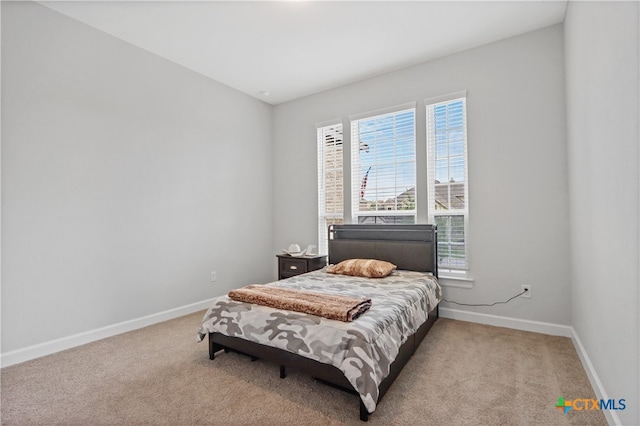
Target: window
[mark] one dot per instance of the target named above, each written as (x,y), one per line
(383,174)
(448,180)
(383,166)
(330,183)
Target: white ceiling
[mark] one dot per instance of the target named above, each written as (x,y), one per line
(293,49)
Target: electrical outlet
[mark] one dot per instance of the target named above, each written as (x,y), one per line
(526,288)
(214,276)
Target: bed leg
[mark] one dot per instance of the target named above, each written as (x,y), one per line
(283,374)
(213,348)
(364,414)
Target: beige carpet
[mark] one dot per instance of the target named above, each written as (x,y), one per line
(462,374)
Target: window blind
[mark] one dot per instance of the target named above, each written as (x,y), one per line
(448,180)
(330,181)
(383,164)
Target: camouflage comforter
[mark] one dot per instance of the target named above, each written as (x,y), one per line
(363,349)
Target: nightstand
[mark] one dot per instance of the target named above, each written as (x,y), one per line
(289,266)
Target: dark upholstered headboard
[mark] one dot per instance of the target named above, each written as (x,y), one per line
(410,247)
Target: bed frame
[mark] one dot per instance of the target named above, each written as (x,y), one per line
(410,247)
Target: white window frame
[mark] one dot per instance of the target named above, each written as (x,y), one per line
(326,218)
(356,178)
(446,270)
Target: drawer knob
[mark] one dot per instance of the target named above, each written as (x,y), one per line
(293,267)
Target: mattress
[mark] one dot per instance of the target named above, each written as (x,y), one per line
(362,349)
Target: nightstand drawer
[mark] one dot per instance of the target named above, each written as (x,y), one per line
(292,266)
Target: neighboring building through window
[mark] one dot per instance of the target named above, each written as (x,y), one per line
(448,180)
(330,181)
(383,166)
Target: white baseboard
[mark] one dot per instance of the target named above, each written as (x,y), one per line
(596,384)
(515,323)
(57,345)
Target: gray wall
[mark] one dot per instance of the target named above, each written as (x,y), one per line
(602,103)
(126,179)
(519,230)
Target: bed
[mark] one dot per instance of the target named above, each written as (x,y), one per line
(364,356)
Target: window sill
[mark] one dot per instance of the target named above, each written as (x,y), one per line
(455,281)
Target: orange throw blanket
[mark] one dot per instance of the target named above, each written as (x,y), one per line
(330,306)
